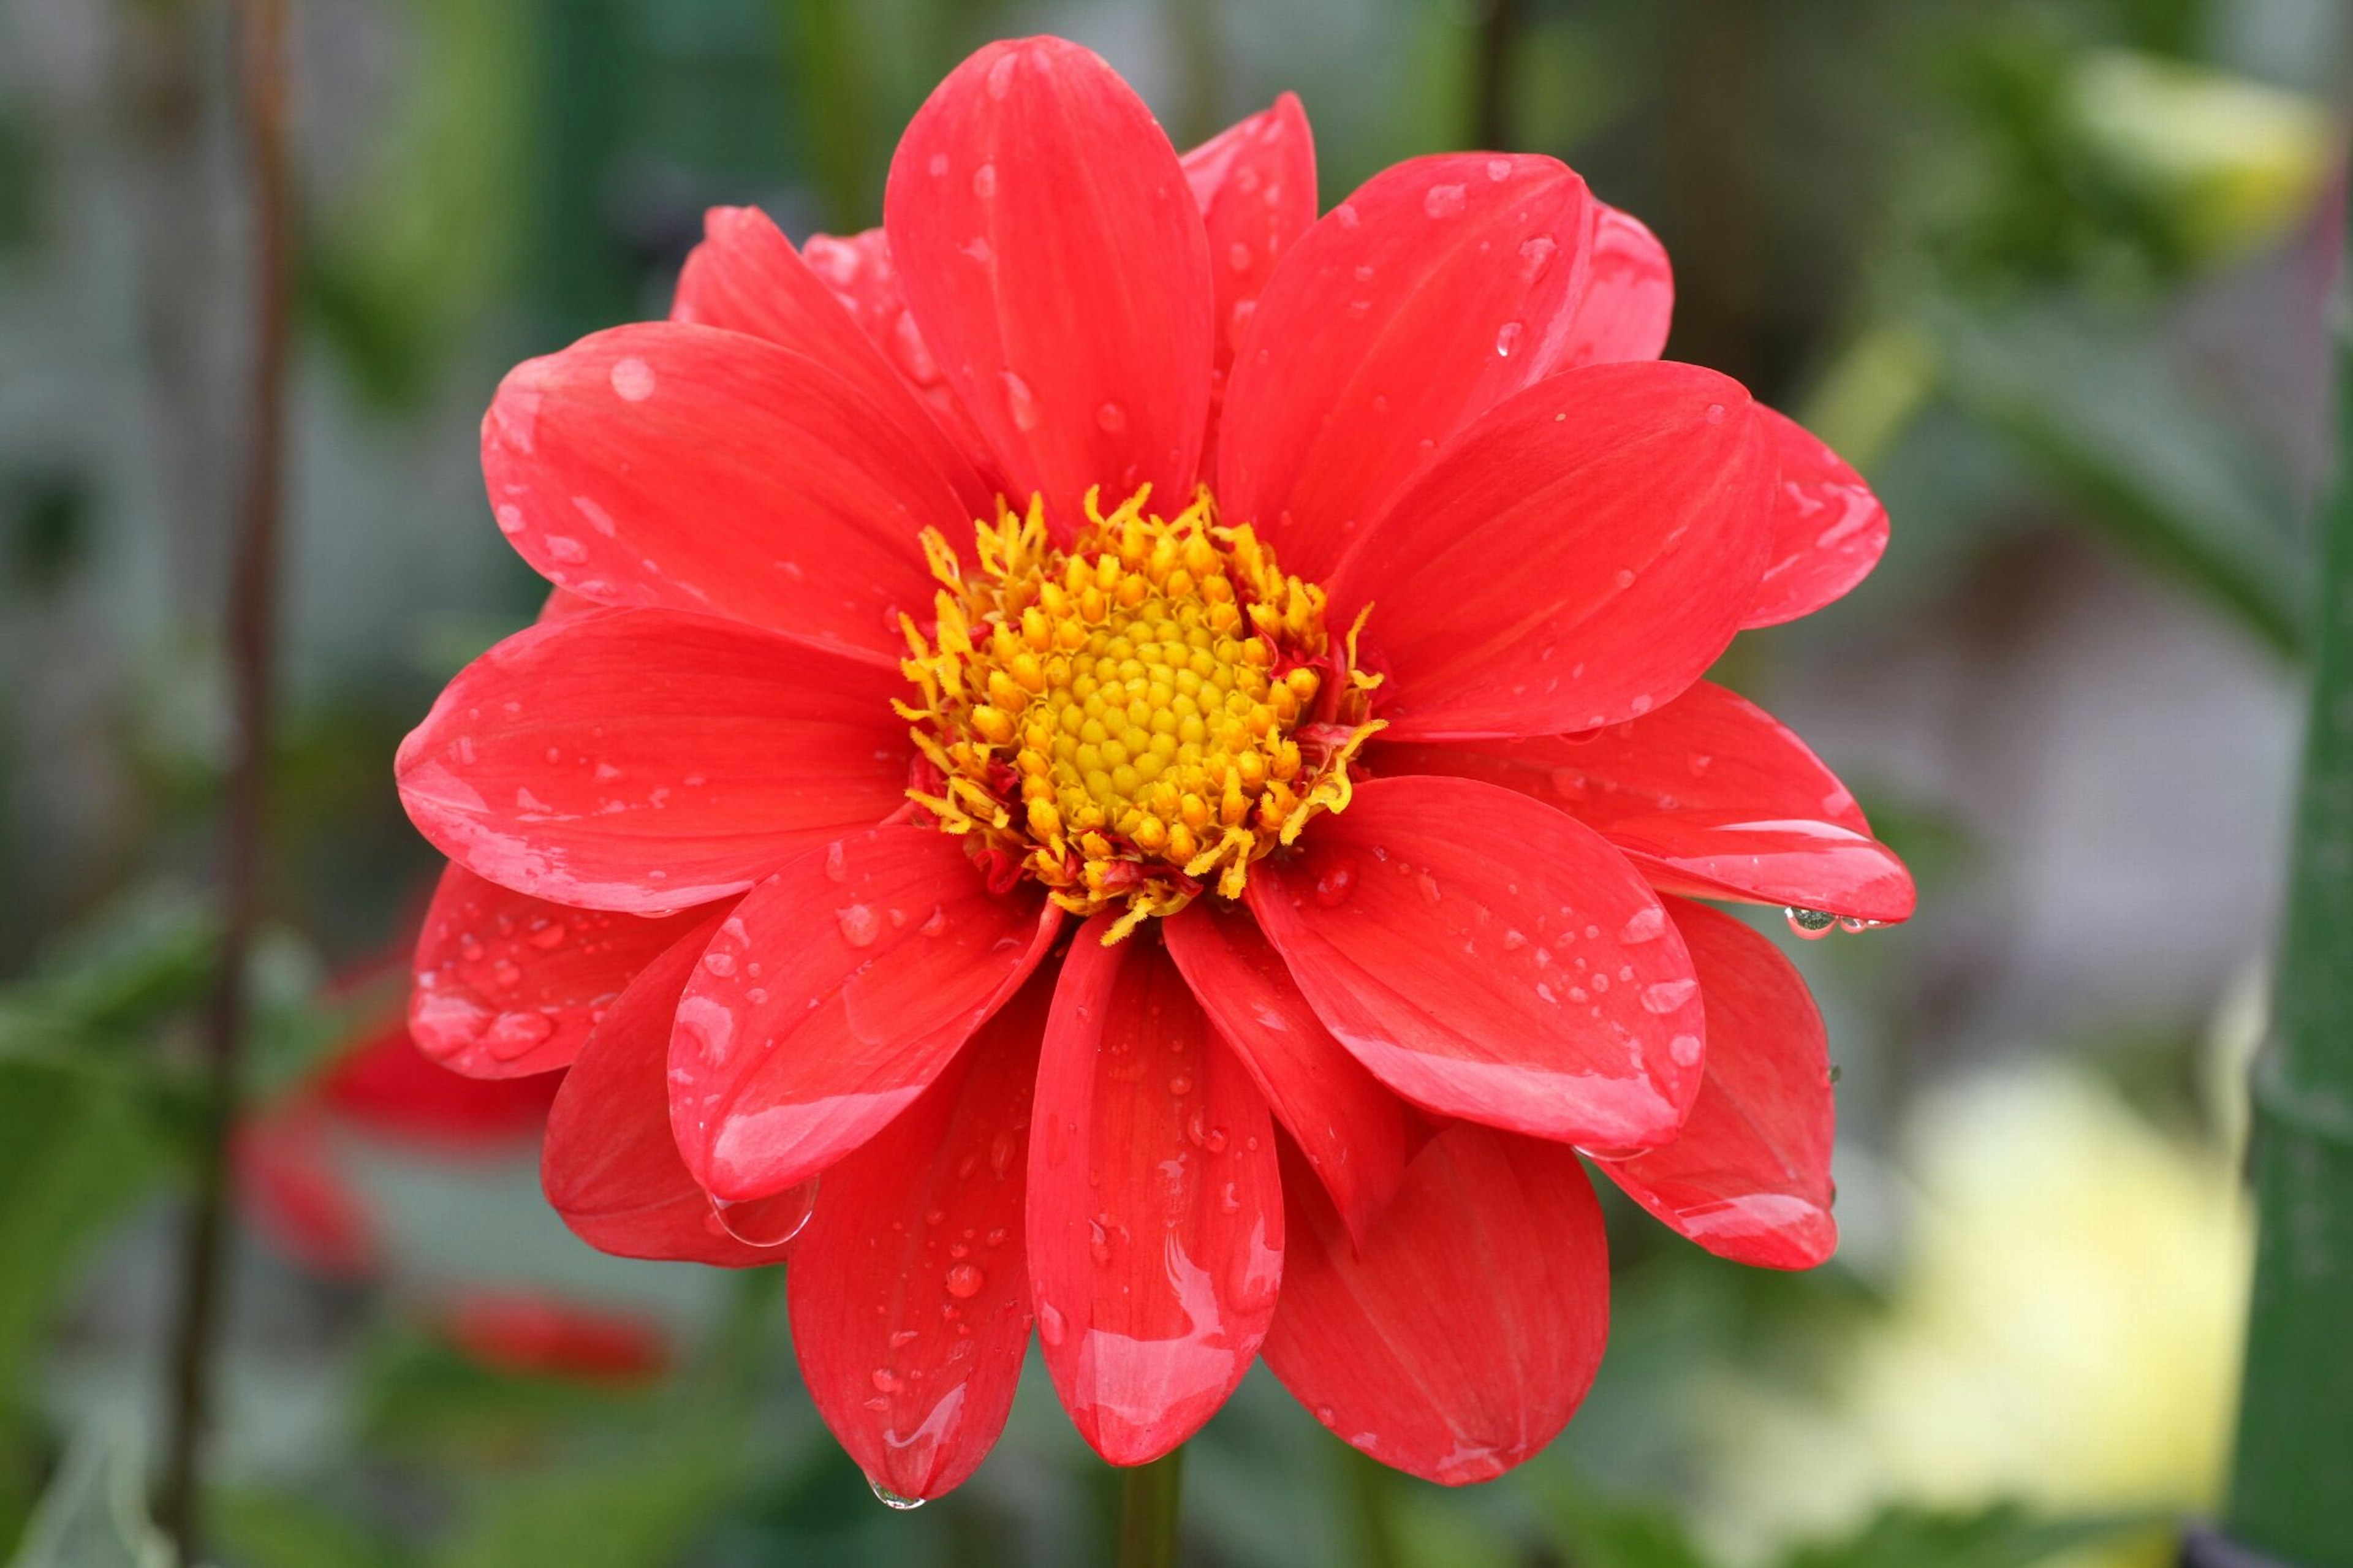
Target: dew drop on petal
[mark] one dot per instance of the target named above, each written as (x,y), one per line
(1051,1327)
(1812,924)
(1666,995)
(860,926)
(1443,201)
(984,181)
(1111,418)
(1856,924)
(767,1222)
(1337,882)
(1686,1050)
(1019,404)
(1506,337)
(722,964)
(633,379)
(892,1500)
(1648,924)
(964,1281)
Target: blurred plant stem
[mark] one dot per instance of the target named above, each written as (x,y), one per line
(1374,1485)
(1149,1503)
(2289,1492)
(830,82)
(1501,23)
(252,614)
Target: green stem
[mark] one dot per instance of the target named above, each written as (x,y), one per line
(1148,1506)
(2288,1491)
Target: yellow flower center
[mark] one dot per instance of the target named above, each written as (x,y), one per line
(1133,721)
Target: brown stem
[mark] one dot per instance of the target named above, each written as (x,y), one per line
(252,614)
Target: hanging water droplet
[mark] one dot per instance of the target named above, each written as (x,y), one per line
(1812,924)
(1856,923)
(892,1500)
(769,1221)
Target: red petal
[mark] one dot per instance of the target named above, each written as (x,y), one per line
(536,1335)
(1438,289)
(1629,299)
(1829,530)
(1056,261)
(508,984)
(1255,182)
(1708,795)
(911,1288)
(747,277)
(609,1166)
(860,275)
(836,994)
(1351,1130)
(289,1183)
(1748,1177)
(388,1087)
(1461,1336)
(688,468)
(646,761)
(1155,1215)
(1489,957)
(1579,558)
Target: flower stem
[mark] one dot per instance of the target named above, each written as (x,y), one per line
(2288,1492)
(1148,1506)
(252,617)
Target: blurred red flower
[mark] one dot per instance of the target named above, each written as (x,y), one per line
(1337,662)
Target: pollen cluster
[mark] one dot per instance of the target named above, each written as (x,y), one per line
(1137,718)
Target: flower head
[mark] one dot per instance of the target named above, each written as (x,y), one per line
(1119,755)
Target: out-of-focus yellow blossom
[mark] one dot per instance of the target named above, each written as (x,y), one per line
(2064,1330)
(2230,164)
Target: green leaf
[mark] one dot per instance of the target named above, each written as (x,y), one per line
(640,1513)
(2102,415)
(1590,1530)
(260,1529)
(2001,1536)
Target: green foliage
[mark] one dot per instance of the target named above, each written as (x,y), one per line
(2001,1536)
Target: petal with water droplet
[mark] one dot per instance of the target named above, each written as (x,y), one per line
(1460,1336)
(1581,554)
(475,931)
(1431,994)
(648,760)
(915,1263)
(1709,795)
(1085,291)
(1748,1177)
(777,1074)
(1351,1129)
(1255,182)
(1628,301)
(1829,530)
(1334,409)
(753,482)
(1155,1210)
(609,1166)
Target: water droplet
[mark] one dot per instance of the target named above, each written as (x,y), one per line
(505,975)
(1180,1086)
(511,1034)
(964,1281)
(1856,924)
(1238,256)
(1052,1328)
(858,924)
(1536,255)
(892,1500)
(1506,336)
(633,379)
(1000,75)
(767,1222)
(1018,403)
(1685,1049)
(1339,880)
(722,964)
(1648,924)
(837,866)
(1666,995)
(1499,169)
(1429,886)
(1812,924)
(546,936)
(1443,201)
(1715,413)
(885,1380)
(984,181)
(1111,418)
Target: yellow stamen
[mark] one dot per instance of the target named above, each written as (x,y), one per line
(1134,721)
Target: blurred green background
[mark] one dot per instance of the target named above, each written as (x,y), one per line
(2052,274)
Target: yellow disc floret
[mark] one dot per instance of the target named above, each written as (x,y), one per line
(1135,720)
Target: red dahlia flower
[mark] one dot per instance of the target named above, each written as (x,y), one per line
(1209,903)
